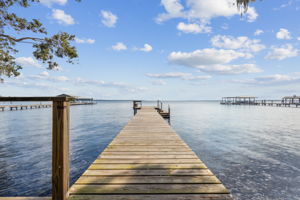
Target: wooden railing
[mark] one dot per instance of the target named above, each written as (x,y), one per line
(60,142)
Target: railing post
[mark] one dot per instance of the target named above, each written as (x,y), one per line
(60,150)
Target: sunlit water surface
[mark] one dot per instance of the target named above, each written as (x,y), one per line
(255,151)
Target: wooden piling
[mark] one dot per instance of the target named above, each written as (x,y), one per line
(60,150)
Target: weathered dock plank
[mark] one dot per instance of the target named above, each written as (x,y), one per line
(148,161)
(154,197)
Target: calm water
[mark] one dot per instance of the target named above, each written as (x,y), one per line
(255,151)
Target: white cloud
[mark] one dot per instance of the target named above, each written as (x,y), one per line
(108,18)
(251,14)
(28,61)
(282,52)
(230,69)
(258,32)
(213,61)
(50,2)
(146,48)
(158,82)
(169,75)
(62,18)
(298,38)
(271,80)
(205,57)
(173,10)
(285,5)
(193,28)
(192,78)
(283,34)
(119,46)
(181,75)
(202,10)
(46,76)
(118,85)
(243,43)
(84,41)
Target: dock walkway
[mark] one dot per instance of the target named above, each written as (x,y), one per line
(148,161)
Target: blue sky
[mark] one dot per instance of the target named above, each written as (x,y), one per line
(166,49)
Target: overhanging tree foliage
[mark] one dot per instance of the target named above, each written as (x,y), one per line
(45,49)
(243,4)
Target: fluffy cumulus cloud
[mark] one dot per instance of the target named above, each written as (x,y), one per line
(193,28)
(201,12)
(258,32)
(181,75)
(243,43)
(84,40)
(209,56)
(119,46)
(214,61)
(282,52)
(146,48)
(28,61)
(62,18)
(283,34)
(251,14)
(49,3)
(108,18)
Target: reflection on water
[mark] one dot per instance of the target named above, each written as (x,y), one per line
(254,150)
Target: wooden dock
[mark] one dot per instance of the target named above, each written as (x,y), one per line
(148,161)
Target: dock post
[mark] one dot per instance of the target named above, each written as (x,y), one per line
(60,150)
(136,106)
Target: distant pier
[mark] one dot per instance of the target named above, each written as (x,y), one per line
(288,101)
(36,106)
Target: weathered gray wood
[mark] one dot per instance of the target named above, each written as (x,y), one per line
(150,189)
(154,172)
(148,161)
(147,158)
(154,197)
(147,166)
(146,179)
(60,150)
(141,153)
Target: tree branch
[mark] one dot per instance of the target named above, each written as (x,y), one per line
(20,39)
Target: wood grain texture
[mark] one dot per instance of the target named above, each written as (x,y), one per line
(148,161)
(154,197)
(60,150)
